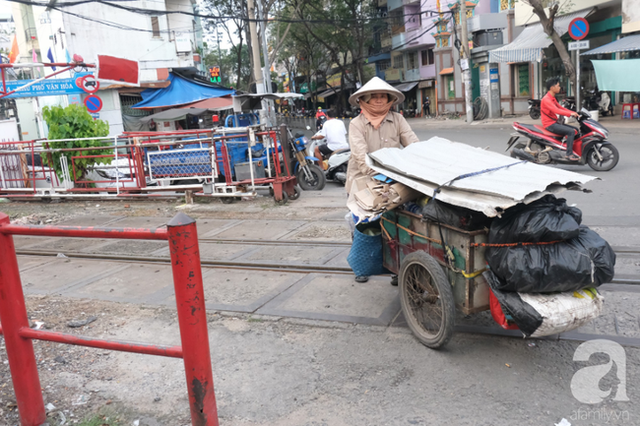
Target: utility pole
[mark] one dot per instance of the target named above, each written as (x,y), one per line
(271,110)
(255,49)
(465,64)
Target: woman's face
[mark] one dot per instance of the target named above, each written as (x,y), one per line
(379,99)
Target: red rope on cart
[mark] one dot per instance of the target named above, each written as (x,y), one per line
(515,244)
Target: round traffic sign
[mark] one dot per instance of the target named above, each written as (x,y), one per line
(93,103)
(89,84)
(578,28)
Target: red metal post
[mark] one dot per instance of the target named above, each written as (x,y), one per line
(192,317)
(13,315)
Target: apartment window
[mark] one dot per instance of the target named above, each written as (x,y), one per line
(427,57)
(413,60)
(398,61)
(522,80)
(385,64)
(155,26)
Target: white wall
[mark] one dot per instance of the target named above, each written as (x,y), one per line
(630,16)
(524,13)
(88,38)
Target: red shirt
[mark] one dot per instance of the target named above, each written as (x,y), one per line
(549,107)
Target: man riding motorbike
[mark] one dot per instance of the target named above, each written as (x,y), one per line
(549,107)
(334,131)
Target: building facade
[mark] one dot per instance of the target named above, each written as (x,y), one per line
(159,43)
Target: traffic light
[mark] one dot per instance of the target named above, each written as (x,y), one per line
(214,74)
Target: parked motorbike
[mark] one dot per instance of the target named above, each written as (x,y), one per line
(544,147)
(310,177)
(337,162)
(569,103)
(598,101)
(534,108)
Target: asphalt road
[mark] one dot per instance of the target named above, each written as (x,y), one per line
(615,199)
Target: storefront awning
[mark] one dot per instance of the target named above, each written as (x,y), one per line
(527,47)
(613,75)
(626,44)
(405,87)
(329,92)
(180,92)
(213,104)
(446,71)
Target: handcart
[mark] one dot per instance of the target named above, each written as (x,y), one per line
(434,280)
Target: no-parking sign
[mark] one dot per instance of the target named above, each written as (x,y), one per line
(93,103)
(578,28)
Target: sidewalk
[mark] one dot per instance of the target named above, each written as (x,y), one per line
(612,123)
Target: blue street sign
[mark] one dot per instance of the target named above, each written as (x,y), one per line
(49,87)
(93,103)
(578,28)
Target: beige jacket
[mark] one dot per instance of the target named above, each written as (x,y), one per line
(363,139)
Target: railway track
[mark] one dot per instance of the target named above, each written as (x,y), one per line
(628,285)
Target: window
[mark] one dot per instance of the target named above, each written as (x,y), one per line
(155,26)
(413,60)
(522,82)
(427,57)
(384,64)
(398,61)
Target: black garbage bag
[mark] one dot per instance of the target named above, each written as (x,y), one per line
(460,217)
(584,261)
(547,219)
(526,317)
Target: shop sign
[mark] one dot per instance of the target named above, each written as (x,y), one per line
(334,80)
(48,87)
(425,84)
(304,88)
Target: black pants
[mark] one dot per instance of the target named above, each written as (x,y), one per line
(568,131)
(427,109)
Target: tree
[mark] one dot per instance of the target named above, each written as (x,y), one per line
(74,122)
(547,24)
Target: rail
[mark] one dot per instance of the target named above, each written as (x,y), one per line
(182,236)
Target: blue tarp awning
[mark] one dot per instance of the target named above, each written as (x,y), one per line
(179,92)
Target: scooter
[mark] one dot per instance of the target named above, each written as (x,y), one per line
(310,177)
(337,162)
(534,108)
(544,147)
(599,101)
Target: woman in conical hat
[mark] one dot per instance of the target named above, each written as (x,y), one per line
(376,127)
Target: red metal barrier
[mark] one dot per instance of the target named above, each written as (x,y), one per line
(187,278)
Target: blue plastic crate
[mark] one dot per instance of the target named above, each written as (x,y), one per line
(237,154)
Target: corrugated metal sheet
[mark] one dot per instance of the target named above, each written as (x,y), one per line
(527,47)
(426,165)
(625,44)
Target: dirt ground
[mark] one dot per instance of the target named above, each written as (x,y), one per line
(79,382)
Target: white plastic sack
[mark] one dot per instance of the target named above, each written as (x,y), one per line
(564,311)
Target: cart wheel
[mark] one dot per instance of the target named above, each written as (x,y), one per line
(296,193)
(271,190)
(426,299)
(284,200)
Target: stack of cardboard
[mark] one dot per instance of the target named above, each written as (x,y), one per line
(377,197)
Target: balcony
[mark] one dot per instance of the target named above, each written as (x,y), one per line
(393,74)
(412,75)
(394,4)
(487,21)
(382,3)
(427,72)
(412,39)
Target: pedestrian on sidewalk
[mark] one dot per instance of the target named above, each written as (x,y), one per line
(426,108)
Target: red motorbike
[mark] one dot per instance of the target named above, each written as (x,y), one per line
(544,147)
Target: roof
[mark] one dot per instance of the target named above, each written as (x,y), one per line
(180,92)
(213,104)
(446,71)
(405,87)
(625,44)
(527,47)
(174,114)
(426,165)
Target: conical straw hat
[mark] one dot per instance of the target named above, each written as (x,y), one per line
(377,85)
